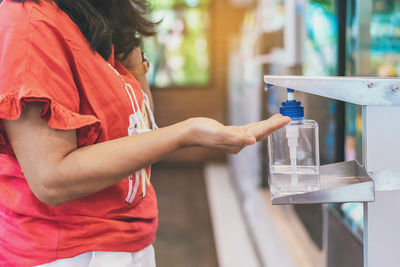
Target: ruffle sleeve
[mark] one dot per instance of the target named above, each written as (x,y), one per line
(37,64)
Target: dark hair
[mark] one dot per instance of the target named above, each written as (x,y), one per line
(109,22)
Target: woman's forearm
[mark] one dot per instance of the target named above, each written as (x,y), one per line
(92,168)
(57,171)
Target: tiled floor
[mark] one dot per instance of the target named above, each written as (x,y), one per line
(184,237)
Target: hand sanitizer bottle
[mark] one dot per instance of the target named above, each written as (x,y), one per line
(294,153)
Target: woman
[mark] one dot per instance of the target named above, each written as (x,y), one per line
(75,144)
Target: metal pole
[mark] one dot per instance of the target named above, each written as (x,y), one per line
(381,146)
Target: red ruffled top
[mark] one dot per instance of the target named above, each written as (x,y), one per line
(44,57)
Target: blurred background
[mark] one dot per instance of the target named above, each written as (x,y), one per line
(208,60)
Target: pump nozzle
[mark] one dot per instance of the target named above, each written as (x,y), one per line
(291,107)
(290,94)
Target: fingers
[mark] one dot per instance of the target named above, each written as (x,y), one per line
(246,139)
(231,149)
(233,139)
(260,130)
(248,126)
(237,136)
(276,115)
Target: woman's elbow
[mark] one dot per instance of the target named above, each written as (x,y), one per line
(49,198)
(48,193)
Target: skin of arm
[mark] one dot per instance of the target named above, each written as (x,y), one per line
(57,171)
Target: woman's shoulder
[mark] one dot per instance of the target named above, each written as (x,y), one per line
(19,16)
(14,15)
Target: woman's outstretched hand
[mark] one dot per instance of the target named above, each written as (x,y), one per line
(232,139)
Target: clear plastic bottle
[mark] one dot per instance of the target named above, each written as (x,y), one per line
(294,153)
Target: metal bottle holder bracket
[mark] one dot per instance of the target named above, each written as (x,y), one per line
(345,181)
(340,182)
(377,182)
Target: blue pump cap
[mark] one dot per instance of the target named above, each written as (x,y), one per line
(292,108)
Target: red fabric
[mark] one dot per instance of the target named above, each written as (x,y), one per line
(44,57)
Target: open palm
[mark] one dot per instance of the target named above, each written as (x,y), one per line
(232,139)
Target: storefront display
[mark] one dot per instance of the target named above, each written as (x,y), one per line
(180,54)
(378,55)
